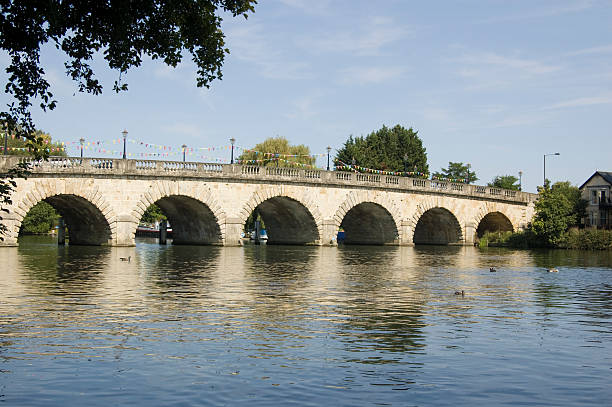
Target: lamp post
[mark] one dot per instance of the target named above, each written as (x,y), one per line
(520,180)
(82,142)
(468,173)
(184,149)
(405,164)
(328,150)
(233,141)
(125,133)
(544,184)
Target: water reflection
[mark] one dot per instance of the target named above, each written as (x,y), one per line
(261,325)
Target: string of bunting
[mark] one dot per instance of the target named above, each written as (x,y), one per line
(358,168)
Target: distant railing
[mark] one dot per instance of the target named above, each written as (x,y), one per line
(160,168)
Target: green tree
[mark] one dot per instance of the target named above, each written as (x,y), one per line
(389,149)
(123,32)
(40,219)
(152,214)
(557,209)
(505,181)
(457,171)
(276,151)
(18,146)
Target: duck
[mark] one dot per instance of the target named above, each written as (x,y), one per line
(461,293)
(492,269)
(553,270)
(128,259)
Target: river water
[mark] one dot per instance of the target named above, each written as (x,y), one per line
(303,326)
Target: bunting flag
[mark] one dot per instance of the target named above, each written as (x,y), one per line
(358,168)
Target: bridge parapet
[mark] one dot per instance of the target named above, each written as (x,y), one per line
(177,169)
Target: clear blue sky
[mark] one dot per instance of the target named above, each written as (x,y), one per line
(493,83)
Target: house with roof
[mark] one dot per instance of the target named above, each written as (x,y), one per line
(596,191)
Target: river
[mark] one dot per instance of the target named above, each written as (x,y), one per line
(303,326)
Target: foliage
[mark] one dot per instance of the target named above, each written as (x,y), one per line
(278,152)
(250,222)
(506,182)
(557,209)
(123,32)
(152,214)
(587,239)
(456,171)
(17,146)
(7,186)
(40,219)
(388,149)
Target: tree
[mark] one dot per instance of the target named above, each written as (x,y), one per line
(456,172)
(40,219)
(276,151)
(389,149)
(557,209)
(17,146)
(122,31)
(152,214)
(505,181)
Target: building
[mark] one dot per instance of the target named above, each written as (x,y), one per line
(596,191)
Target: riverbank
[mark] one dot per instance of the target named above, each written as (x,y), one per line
(581,239)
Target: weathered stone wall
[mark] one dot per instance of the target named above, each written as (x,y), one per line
(213,209)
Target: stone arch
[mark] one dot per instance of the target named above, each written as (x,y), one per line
(89,217)
(441,224)
(490,217)
(300,220)
(195,215)
(381,215)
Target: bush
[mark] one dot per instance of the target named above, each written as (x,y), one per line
(587,239)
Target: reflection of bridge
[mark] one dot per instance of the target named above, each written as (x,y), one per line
(102,201)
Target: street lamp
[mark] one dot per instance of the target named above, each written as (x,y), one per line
(520,180)
(468,173)
(544,184)
(328,150)
(405,164)
(184,149)
(5,140)
(125,133)
(82,141)
(233,141)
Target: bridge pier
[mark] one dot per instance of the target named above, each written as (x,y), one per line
(329,233)
(406,233)
(469,233)
(233,229)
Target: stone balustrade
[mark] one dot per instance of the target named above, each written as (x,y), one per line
(113,167)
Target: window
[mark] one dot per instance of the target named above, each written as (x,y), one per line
(593,197)
(603,196)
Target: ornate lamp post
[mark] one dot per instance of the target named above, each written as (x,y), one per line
(328,150)
(545,165)
(233,141)
(125,133)
(82,142)
(5,140)
(520,180)
(184,150)
(405,164)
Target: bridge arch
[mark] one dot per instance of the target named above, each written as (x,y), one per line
(89,217)
(194,214)
(368,218)
(290,218)
(436,224)
(492,218)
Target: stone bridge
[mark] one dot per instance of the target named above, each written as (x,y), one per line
(102,201)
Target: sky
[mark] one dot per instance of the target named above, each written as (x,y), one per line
(496,84)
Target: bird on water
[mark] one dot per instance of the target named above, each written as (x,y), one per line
(461,293)
(553,270)
(492,269)
(128,259)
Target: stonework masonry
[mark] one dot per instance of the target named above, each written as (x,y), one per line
(102,201)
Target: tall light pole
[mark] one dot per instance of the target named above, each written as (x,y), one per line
(544,184)
(405,164)
(328,150)
(184,149)
(5,140)
(520,180)
(233,141)
(82,142)
(125,133)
